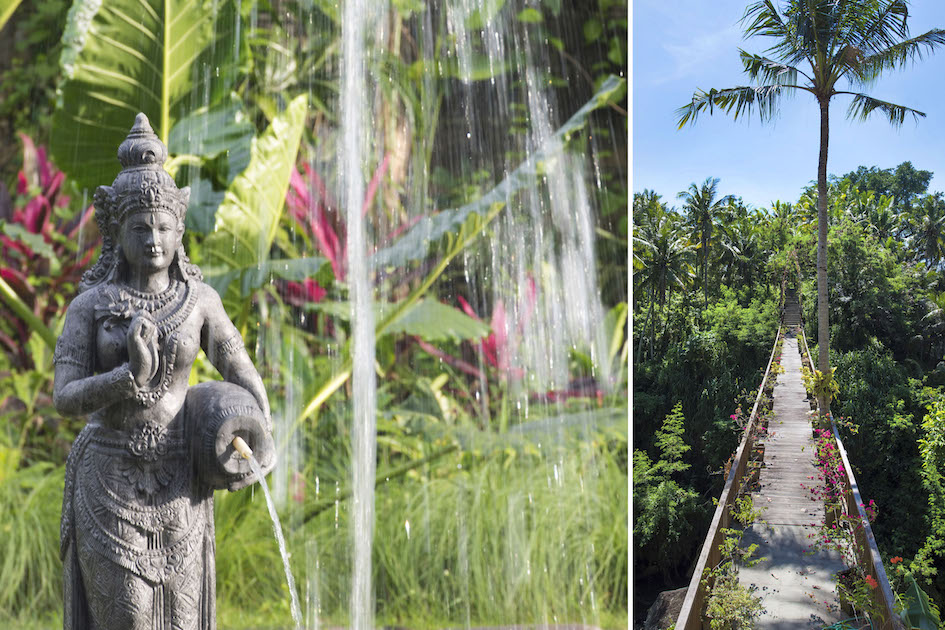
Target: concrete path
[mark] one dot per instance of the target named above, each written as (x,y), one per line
(797,587)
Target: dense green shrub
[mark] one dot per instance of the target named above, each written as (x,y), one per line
(877,396)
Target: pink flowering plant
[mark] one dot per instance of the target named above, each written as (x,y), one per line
(838,531)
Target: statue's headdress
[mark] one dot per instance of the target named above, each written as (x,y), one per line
(142,186)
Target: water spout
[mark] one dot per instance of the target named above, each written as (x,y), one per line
(243,448)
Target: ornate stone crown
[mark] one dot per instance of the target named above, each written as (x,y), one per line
(142,186)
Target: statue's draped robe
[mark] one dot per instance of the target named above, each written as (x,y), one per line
(137,529)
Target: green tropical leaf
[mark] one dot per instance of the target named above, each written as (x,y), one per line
(9,297)
(614,323)
(434,321)
(409,7)
(415,244)
(257,275)
(210,130)
(530,15)
(481,67)
(121,57)
(219,139)
(593,29)
(34,241)
(247,219)
(917,613)
(7,7)
(485,12)
(296,269)
(204,201)
(428,319)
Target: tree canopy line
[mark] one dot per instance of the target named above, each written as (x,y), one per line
(707,280)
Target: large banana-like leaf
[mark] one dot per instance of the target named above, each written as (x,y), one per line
(121,57)
(222,136)
(434,321)
(430,320)
(247,219)
(415,244)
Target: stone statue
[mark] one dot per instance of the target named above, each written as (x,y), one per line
(137,537)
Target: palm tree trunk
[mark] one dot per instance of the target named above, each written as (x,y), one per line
(705,271)
(649,317)
(823,329)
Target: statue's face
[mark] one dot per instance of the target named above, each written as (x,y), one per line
(150,239)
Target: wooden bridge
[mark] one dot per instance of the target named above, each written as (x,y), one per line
(795,583)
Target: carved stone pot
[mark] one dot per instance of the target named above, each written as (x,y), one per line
(217,412)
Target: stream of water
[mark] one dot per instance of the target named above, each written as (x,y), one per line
(277,530)
(354,128)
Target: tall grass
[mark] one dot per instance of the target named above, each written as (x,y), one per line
(511,540)
(507,538)
(30,569)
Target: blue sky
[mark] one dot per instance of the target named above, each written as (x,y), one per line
(682,45)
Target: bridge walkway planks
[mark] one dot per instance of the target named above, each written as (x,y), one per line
(797,586)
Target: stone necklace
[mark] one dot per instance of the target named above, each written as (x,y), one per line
(168,308)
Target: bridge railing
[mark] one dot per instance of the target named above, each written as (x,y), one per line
(867,553)
(690,615)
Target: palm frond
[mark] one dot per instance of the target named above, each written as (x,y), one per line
(863,105)
(762,18)
(763,70)
(847,61)
(764,99)
(814,22)
(642,242)
(877,30)
(898,54)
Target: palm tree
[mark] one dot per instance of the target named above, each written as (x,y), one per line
(856,40)
(743,255)
(703,211)
(666,259)
(929,237)
(783,221)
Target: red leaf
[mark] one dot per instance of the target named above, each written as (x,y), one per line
(374,184)
(44,167)
(449,359)
(9,243)
(467,308)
